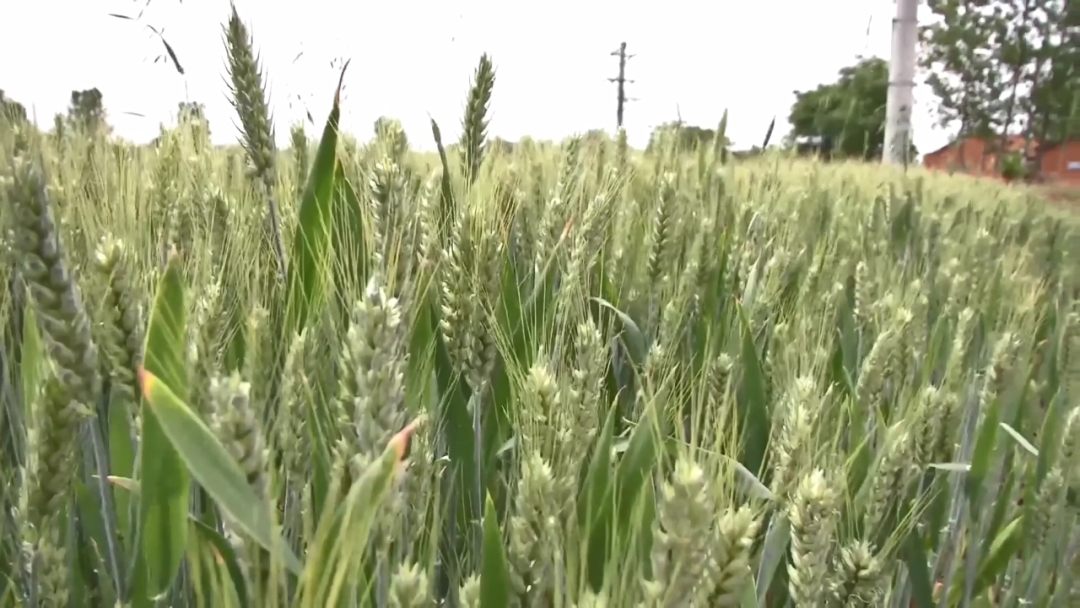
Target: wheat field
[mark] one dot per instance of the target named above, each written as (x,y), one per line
(346,375)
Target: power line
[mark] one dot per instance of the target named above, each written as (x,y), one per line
(621,80)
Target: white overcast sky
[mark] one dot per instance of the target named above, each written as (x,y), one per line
(412,58)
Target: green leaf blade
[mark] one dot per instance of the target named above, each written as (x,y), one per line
(495,573)
(163,505)
(215,470)
(310,246)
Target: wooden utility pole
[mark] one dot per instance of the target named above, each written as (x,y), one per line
(621,80)
(905,38)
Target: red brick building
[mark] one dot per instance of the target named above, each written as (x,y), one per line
(1058,162)
(1061,162)
(974,155)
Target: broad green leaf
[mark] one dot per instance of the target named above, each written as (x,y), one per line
(223,547)
(358,516)
(749,596)
(8,590)
(235,345)
(753,406)
(511,315)
(507,446)
(92,545)
(632,336)
(595,503)
(619,381)
(1049,436)
(982,456)
(1004,505)
(636,464)
(511,320)
(915,557)
(643,521)
(227,554)
(495,572)
(122,464)
(351,242)
(610,508)
(212,466)
(165,482)
(320,456)
(1020,439)
(1002,550)
(310,247)
(938,349)
(166,331)
(859,461)
(138,593)
(772,554)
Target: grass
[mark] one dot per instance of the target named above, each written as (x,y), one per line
(1065,195)
(339,375)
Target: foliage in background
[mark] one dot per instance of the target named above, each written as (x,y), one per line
(846,116)
(12,110)
(1005,66)
(1012,167)
(688,137)
(86,111)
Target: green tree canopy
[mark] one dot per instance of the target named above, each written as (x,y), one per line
(11,109)
(190,111)
(192,115)
(498,145)
(1054,102)
(690,136)
(959,50)
(848,115)
(1005,66)
(86,110)
(596,136)
(391,133)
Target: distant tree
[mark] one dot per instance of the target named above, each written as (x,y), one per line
(527,146)
(300,148)
(192,115)
(391,133)
(958,51)
(846,117)
(385,126)
(596,136)
(11,109)
(500,146)
(1012,166)
(812,146)
(1000,67)
(749,153)
(59,126)
(689,136)
(86,110)
(190,110)
(1053,105)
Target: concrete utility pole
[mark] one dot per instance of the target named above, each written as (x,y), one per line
(621,80)
(905,38)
